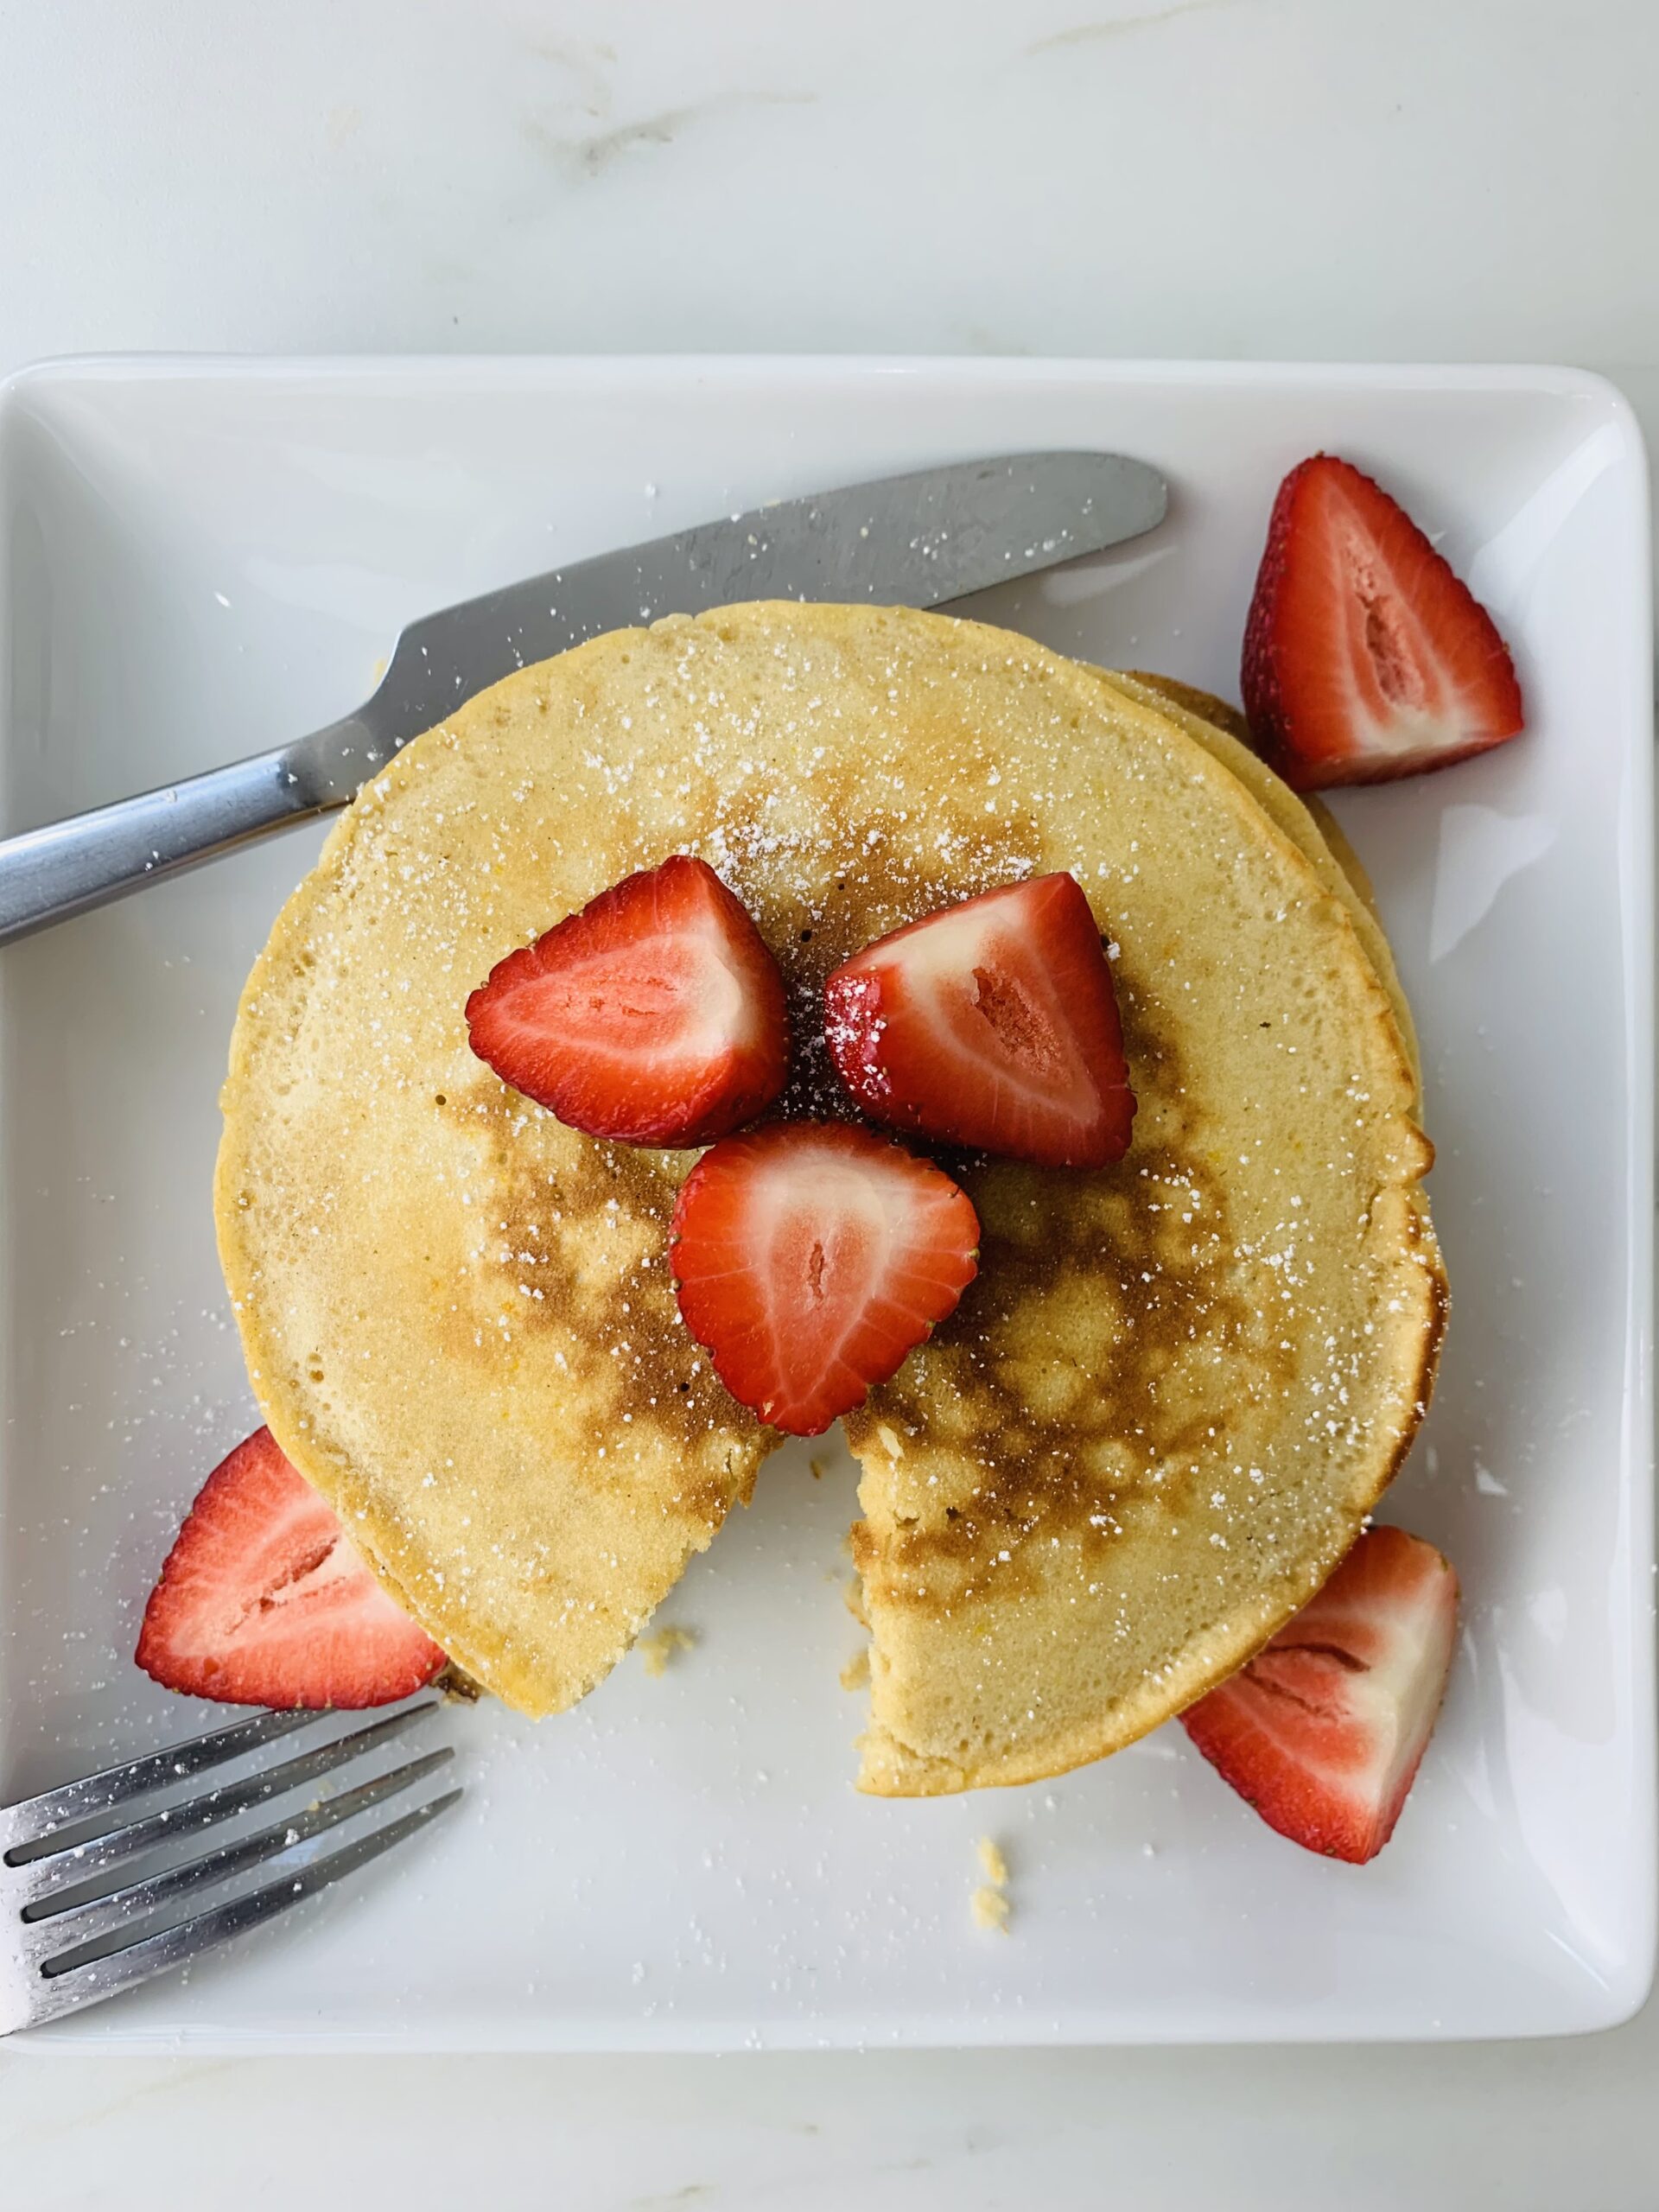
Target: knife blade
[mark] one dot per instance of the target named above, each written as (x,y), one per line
(919,539)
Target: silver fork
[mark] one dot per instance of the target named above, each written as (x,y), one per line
(72,1929)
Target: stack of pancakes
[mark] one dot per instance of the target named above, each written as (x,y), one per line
(1156,1420)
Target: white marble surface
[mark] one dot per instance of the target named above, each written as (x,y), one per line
(1261,177)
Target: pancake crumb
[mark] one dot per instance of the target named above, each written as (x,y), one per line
(660,1650)
(991,1859)
(989,1903)
(455,1687)
(855,1675)
(990,1909)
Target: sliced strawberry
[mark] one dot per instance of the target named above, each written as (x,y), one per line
(656,1015)
(1323,1730)
(993,1024)
(263,1601)
(1365,658)
(810,1257)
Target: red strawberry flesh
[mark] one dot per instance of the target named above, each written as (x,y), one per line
(991,1025)
(1366,657)
(1324,1730)
(264,1601)
(810,1257)
(655,1016)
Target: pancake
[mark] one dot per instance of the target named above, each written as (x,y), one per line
(1152,1426)
(1311,827)
(916,1757)
(1204,707)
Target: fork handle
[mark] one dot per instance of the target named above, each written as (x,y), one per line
(65,868)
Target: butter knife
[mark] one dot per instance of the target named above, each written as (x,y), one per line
(916,540)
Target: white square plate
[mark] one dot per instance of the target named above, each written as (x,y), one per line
(202,558)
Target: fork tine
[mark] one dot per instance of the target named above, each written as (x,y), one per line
(54,1855)
(94,1971)
(35,1817)
(95,1909)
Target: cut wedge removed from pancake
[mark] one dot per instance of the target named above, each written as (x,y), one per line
(1151,1427)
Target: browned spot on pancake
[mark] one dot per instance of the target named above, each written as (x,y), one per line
(816,902)
(576,1250)
(1106,1295)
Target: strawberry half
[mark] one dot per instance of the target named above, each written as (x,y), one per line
(993,1024)
(262,1600)
(1365,658)
(1323,1730)
(810,1258)
(655,1015)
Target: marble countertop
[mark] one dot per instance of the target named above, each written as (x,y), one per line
(1267,178)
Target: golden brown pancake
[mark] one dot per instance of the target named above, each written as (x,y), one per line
(1205,707)
(1310,825)
(1152,1426)
(890,1764)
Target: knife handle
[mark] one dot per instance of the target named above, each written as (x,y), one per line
(47,874)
